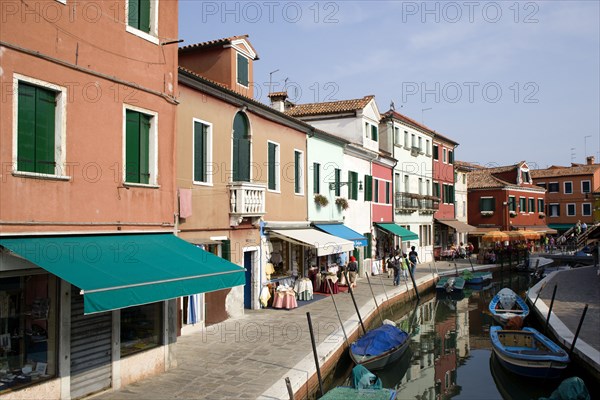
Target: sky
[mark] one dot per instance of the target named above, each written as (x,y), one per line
(509,81)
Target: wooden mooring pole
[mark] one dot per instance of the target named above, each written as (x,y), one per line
(354,301)
(578,329)
(314,348)
(550,310)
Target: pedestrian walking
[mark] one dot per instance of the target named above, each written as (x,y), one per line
(394,265)
(413,257)
(352,271)
(404,266)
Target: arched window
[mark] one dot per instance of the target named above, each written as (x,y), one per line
(241,148)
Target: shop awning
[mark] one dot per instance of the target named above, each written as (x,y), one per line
(459,226)
(480,231)
(562,227)
(341,230)
(397,230)
(324,243)
(118,271)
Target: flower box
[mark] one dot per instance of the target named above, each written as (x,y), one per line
(321,200)
(342,203)
(487,213)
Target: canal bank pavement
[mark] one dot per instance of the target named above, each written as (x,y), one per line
(250,357)
(574,289)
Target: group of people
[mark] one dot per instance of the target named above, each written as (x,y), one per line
(400,264)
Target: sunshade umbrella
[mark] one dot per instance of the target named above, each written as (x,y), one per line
(531,235)
(494,236)
(515,235)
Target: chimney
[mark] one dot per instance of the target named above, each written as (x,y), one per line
(590,160)
(278,100)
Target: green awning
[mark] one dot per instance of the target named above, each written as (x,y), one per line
(118,271)
(397,230)
(562,227)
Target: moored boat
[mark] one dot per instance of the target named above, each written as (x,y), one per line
(506,305)
(476,278)
(528,353)
(380,346)
(450,283)
(365,385)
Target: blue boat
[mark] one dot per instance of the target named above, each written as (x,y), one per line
(506,305)
(528,353)
(380,346)
(476,278)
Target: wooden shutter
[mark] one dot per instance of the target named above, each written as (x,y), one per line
(387,193)
(369,237)
(144,15)
(435,152)
(376,197)
(26,129)
(367,194)
(45,114)
(242,70)
(132,146)
(272,161)
(338,179)
(144,148)
(316,178)
(241,149)
(297,174)
(450,157)
(133,14)
(200,137)
(374,132)
(226,249)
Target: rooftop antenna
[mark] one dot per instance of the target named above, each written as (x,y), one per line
(271,82)
(572,154)
(423,112)
(392,106)
(585,145)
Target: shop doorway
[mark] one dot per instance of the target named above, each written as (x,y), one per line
(91,349)
(248,285)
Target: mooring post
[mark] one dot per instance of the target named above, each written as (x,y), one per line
(550,310)
(288,384)
(578,329)
(354,301)
(414,283)
(314,348)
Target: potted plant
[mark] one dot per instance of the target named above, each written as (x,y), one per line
(342,203)
(321,200)
(487,213)
(541,215)
(512,213)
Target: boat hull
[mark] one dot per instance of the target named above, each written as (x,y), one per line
(536,357)
(374,363)
(502,315)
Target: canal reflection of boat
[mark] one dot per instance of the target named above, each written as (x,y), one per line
(507,305)
(453,295)
(512,387)
(476,278)
(393,373)
(365,385)
(380,346)
(528,353)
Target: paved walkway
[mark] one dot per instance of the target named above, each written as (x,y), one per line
(575,288)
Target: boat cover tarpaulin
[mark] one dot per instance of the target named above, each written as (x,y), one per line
(379,341)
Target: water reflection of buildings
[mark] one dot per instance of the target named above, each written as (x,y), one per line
(441,339)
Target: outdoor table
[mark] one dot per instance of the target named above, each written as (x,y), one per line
(285,299)
(304,289)
(333,281)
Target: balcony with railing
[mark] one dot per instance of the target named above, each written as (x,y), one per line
(407,203)
(247,200)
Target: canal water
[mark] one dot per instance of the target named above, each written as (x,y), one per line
(451,354)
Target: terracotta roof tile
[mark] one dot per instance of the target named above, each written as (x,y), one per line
(410,121)
(564,171)
(332,107)
(217,42)
(278,94)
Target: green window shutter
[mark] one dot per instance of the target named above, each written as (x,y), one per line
(226,249)
(242,70)
(26,129)
(45,114)
(241,149)
(450,157)
(316,178)
(144,148)
(132,146)
(369,236)
(297,172)
(374,132)
(272,175)
(481,204)
(338,179)
(144,15)
(367,194)
(354,186)
(376,197)
(200,142)
(387,192)
(133,14)
(435,152)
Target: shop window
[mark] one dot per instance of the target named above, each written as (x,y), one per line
(28,340)
(141,328)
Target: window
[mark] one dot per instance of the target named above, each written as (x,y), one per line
(525,176)
(388,190)
(242,70)
(413,141)
(450,157)
(571,210)
(436,189)
(427,149)
(586,209)
(531,204)
(448,194)
(39,130)
(337,179)
(202,144)
(420,144)
(586,187)
(316,178)
(553,187)
(142,19)
(512,203)
(273,166)
(397,182)
(427,187)
(374,132)
(435,152)
(420,185)
(540,205)
(368,188)
(522,204)
(444,156)
(376,189)
(140,146)
(406,186)
(367,130)
(353,185)
(464,208)
(241,148)
(397,136)
(487,204)
(568,187)
(464,179)
(406,139)
(298,163)
(141,328)
(542,184)
(554,210)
